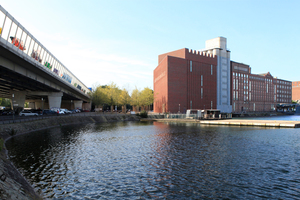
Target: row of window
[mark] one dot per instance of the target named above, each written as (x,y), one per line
(236,74)
(235,96)
(284,92)
(246,107)
(260,86)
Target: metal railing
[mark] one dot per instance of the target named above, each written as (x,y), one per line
(14,36)
(180,116)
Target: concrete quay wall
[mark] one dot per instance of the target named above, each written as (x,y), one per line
(12,184)
(234,122)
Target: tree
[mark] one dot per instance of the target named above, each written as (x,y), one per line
(99,96)
(5,102)
(113,93)
(146,97)
(135,98)
(124,98)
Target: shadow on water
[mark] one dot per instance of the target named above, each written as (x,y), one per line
(152,160)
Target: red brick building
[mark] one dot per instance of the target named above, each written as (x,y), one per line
(185,79)
(257,92)
(296,91)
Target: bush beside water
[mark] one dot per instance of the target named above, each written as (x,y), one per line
(143,114)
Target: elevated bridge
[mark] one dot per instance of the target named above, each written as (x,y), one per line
(29,72)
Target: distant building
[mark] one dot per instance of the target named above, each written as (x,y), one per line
(207,79)
(296,91)
(257,92)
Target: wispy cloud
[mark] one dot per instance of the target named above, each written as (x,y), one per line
(90,67)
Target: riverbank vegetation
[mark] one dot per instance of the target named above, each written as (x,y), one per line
(108,96)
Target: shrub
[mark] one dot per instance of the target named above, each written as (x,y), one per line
(143,114)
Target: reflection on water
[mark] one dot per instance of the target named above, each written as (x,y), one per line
(141,160)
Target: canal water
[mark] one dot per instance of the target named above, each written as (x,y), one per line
(151,160)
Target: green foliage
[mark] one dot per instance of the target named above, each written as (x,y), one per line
(135,97)
(5,102)
(1,144)
(124,97)
(99,96)
(146,97)
(143,114)
(113,93)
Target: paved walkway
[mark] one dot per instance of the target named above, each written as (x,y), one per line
(265,123)
(238,122)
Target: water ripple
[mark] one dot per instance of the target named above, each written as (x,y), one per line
(160,161)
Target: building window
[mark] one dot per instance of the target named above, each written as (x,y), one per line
(191,66)
(234,84)
(201,93)
(249,85)
(191,104)
(249,96)
(233,106)
(211,69)
(201,80)
(237,95)
(253,106)
(267,87)
(233,95)
(237,84)
(211,104)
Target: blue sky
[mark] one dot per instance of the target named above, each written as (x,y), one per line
(119,41)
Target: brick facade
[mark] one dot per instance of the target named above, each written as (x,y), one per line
(256,92)
(296,91)
(184,80)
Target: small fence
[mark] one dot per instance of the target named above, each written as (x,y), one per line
(180,116)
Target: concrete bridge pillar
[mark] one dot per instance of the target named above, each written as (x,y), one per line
(86,106)
(54,99)
(40,104)
(37,104)
(18,100)
(78,104)
(31,105)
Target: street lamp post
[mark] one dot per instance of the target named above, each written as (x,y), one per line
(13,95)
(42,106)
